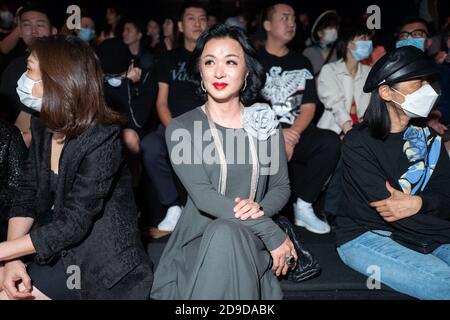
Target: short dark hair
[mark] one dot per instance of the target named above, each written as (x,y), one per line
(270,9)
(72,77)
(256,78)
(191,4)
(137,23)
(409,20)
(347,33)
(37,7)
(116,7)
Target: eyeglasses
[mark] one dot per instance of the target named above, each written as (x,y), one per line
(419,33)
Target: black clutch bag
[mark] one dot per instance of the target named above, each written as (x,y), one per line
(307,266)
(415,243)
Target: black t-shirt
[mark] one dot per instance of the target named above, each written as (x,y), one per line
(289,84)
(172,69)
(415,162)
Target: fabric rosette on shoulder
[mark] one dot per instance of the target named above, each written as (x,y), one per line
(260,121)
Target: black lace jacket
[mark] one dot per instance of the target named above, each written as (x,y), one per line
(12,155)
(94,224)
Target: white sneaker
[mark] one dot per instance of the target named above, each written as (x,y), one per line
(305,217)
(171,219)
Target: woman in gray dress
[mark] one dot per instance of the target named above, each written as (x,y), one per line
(232,162)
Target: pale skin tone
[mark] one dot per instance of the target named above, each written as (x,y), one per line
(153,30)
(352,66)
(433,119)
(399,205)
(168,34)
(280,31)
(325,49)
(223,61)
(32,25)
(192,25)
(410,27)
(15,281)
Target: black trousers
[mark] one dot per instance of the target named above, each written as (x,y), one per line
(158,167)
(313,162)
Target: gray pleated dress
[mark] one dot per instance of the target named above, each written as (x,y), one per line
(211,254)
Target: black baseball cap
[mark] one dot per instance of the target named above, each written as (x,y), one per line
(114,56)
(402,64)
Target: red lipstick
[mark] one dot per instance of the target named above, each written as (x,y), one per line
(220,85)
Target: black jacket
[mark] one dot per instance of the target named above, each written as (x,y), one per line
(94,225)
(12,155)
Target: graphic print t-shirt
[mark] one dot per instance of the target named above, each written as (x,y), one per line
(171,68)
(289,84)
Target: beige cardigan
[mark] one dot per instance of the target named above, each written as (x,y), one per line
(336,89)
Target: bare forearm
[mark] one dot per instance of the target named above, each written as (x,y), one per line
(164,114)
(18,227)
(304,118)
(13,249)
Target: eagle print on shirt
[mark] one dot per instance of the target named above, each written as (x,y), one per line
(284,91)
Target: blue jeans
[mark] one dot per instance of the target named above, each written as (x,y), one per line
(423,276)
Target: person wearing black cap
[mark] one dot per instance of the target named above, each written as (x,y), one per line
(130,90)
(395,213)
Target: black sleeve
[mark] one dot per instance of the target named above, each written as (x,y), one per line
(162,69)
(362,174)
(85,201)
(436,196)
(143,100)
(310,93)
(24,203)
(17,152)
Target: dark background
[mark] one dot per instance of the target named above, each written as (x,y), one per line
(391,10)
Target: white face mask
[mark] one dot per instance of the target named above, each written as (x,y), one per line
(25,89)
(419,103)
(114,81)
(330,36)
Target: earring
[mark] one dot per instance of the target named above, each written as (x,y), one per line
(202,86)
(245,85)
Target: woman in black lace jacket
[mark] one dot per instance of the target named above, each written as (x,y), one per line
(74,209)
(12,154)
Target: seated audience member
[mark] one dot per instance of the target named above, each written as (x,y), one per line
(131,91)
(227,224)
(176,95)
(413,31)
(340,84)
(291,91)
(74,205)
(12,155)
(87,31)
(340,88)
(395,211)
(34,23)
(114,24)
(324,34)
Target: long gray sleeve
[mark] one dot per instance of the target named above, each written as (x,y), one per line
(279,189)
(209,201)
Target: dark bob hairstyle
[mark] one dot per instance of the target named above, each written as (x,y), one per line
(347,33)
(256,78)
(72,78)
